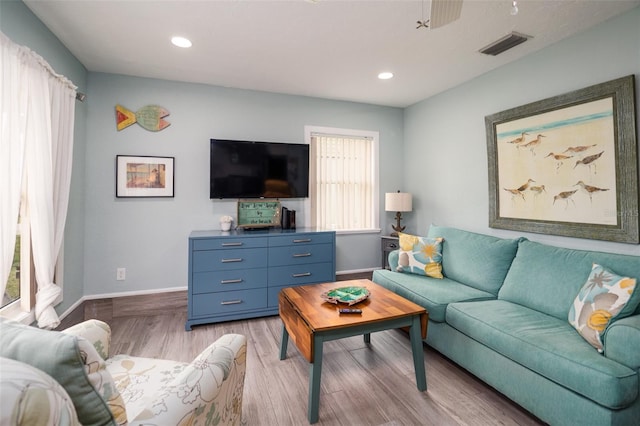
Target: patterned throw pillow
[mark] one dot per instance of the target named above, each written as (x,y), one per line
(604,298)
(32,397)
(101,380)
(420,255)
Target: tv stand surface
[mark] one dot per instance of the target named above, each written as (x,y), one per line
(236,274)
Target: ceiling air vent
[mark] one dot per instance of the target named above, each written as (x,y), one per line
(505,43)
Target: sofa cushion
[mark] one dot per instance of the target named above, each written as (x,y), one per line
(604,298)
(139,379)
(547,346)
(58,355)
(420,255)
(547,278)
(31,397)
(431,293)
(480,261)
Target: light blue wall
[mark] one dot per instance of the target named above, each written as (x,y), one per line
(149,236)
(445,144)
(20,25)
(444,160)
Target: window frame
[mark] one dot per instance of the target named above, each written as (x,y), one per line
(310,131)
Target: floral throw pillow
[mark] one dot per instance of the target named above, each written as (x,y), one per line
(420,255)
(101,380)
(604,298)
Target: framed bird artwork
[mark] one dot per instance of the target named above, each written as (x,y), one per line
(567,165)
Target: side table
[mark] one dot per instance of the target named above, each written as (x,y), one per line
(388,245)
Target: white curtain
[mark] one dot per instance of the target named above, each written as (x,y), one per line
(14,65)
(342,182)
(48,148)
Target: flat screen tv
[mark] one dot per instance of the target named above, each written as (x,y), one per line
(249,169)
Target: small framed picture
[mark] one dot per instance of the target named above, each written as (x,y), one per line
(144,176)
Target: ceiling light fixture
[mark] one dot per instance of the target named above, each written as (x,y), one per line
(181,42)
(514,8)
(386,75)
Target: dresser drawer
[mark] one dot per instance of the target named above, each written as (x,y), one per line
(302,254)
(296,239)
(301,274)
(234,279)
(229,302)
(229,243)
(219,260)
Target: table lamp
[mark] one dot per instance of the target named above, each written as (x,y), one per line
(397,202)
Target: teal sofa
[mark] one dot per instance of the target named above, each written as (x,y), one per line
(501,313)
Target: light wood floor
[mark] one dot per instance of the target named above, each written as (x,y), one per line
(361,384)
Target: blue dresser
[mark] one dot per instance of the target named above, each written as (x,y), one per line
(238,274)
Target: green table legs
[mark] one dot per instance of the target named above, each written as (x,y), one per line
(284,342)
(315,369)
(418,354)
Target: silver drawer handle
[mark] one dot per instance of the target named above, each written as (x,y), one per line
(235,281)
(302,255)
(231,244)
(231,302)
(392,245)
(231,260)
(304,240)
(304,274)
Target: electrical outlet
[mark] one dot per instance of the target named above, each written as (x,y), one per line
(121,274)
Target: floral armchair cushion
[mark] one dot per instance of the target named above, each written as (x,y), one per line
(206,391)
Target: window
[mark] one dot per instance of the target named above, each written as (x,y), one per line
(12,291)
(19,296)
(343,179)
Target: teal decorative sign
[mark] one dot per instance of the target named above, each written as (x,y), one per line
(258,213)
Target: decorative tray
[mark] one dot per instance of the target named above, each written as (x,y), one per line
(348,295)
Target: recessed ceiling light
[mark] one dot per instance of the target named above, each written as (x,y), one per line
(181,42)
(385,75)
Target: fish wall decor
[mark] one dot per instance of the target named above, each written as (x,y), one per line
(150,117)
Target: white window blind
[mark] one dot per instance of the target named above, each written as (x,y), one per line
(343,182)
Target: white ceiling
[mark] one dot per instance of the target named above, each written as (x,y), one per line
(322,48)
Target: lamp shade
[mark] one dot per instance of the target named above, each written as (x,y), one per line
(397,202)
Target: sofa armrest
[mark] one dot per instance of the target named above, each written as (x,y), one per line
(95,331)
(620,339)
(393,260)
(208,391)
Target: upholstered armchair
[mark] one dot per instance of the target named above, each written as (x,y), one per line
(122,389)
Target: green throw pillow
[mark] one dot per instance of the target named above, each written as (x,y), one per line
(604,298)
(420,255)
(58,355)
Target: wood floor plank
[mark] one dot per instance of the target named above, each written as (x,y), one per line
(361,384)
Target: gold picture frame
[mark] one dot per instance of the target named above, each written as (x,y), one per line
(567,165)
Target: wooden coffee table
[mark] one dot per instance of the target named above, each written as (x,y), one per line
(310,321)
